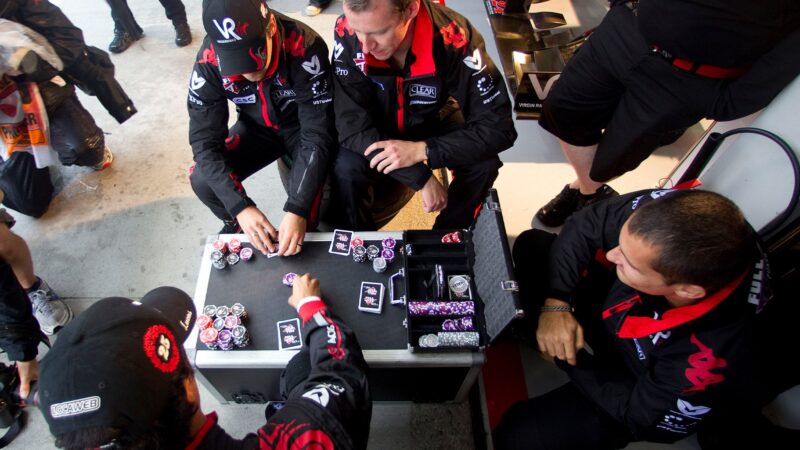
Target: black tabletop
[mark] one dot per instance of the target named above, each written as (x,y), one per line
(257,285)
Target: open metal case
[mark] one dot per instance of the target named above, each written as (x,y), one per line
(484,257)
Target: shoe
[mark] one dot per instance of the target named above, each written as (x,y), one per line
(108,158)
(312,10)
(183,35)
(567,202)
(122,40)
(230,227)
(50,311)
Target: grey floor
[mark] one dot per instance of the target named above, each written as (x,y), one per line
(137,225)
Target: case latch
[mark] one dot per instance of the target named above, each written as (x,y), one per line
(492,206)
(509,285)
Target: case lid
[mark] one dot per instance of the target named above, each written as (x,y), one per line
(492,268)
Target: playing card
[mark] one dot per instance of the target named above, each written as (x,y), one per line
(340,244)
(370,297)
(289,337)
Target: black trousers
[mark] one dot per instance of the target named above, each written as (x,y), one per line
(124,20)
(250,149)
(357,186)
(74,136)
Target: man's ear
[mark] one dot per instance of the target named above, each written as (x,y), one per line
(413,9)
(690,291)
(192,392)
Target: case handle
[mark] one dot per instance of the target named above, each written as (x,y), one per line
(392,299)
(509,285)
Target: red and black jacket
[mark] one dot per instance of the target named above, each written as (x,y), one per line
(294,100)
(330,410)
(680,363)
(447,59)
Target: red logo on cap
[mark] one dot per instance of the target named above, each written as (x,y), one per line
(209,56)
(294,44)
(160,347)
(241,29)
(453,35)
(342,26)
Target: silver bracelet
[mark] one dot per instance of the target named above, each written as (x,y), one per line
(556,309)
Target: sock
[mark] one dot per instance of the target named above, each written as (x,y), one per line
(35,286)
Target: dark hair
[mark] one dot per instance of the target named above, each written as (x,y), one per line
(365,5)
(170,431)
(701,238)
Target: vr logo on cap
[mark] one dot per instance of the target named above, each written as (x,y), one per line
(227,30)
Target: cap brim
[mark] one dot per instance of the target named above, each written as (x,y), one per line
(242,60)
(176,306)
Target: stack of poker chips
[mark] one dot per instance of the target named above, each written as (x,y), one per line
(388,249)
(373,252)
(379,265)
(458,324)
(460,339)
(221,327)
(359,254)
(441,308)
(229,253)
(452,238)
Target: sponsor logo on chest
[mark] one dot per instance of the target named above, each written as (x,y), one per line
(421,90)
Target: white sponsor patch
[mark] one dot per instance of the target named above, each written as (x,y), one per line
(338,48)
(474,62)
(197,81)
(75,407)
(312,66)
(690,410)
(195,100)
(245,100)
(319,394)
(342,72)
(421,90)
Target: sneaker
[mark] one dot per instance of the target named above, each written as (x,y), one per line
(122,40)
(51,312)
(312,10)
(230,227)
(108,158)
(567,202)
(183,35)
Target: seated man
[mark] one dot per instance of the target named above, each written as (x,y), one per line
(641,79)
(73,132)
(414,84)
(275,69)
(119,378)
(647,301)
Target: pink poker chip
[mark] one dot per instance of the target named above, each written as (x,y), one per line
(246,254)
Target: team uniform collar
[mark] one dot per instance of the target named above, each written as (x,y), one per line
(421,47)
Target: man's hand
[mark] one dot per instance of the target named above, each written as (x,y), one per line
(396,154)
(255,224)
(558,333)
(28,372)
(304,286)
(291,234)
(434,196)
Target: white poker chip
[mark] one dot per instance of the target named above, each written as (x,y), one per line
(458,284)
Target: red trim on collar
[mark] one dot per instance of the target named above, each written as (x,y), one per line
(277,48)
(421,47)
(637,327)
(211,420)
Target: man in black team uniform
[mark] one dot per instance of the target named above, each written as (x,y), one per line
(276,70)
(414,84)
(648,302)
(120,379)
(653,68)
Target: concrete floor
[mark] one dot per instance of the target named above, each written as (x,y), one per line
(137,225)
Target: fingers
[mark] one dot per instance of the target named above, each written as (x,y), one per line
(579,342)
(375,146)
(290,246)
(379,158)
(270,236)
(256,239)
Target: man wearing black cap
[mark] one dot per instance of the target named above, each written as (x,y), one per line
(118,378)
(276,70)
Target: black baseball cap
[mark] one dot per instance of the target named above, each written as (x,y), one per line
(238,32)
(115,364)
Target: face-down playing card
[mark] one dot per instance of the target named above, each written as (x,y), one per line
(370,298)
(340,244)
(289,337)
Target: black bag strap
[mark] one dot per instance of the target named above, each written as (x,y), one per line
(13,430)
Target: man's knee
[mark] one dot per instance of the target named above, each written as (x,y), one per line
(350,167)
(198,181)
(486,169)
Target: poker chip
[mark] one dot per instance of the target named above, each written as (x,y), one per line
(388,255)
(356,242)
(232,321)
(209,338)
(232,259)
(222,311)
(225,340)
(459,324)
(418,308)
(210,310)
(458,284)
(219,324)
(447,239)
(458,339)
(219,263)
(359,254)
(234,246)
(203,322)
(456,237)
(288,279)
(379,265)
(237,309)
(220,246)
(240,336)
(429,341)
(216,255)
(246,254)
(373,252)
(409,250)
(389,243)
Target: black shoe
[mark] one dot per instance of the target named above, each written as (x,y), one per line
(567,202)
(183,35)
(122,40)
(230,227)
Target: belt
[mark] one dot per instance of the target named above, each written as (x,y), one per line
(704,70)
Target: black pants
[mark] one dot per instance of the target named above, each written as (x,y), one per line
(250,149)
(77,140)
(356,185)
(124,20)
